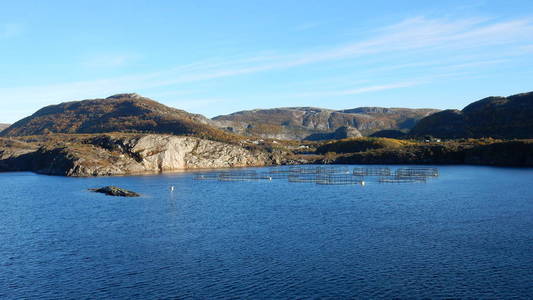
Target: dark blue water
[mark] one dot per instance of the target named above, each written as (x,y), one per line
(468,233)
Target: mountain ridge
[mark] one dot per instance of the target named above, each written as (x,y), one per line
(134,113)
(497,117)
(300,123)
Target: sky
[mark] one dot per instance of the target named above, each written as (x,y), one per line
(218,57)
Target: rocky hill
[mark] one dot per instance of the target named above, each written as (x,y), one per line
(121,154)
(3,126)
(497,117)
(486,151)
(118,113)
(310,123)
(134,113)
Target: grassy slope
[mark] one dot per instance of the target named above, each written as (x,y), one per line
(466,151)
(121,113)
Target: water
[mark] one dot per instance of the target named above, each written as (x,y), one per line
(468,233)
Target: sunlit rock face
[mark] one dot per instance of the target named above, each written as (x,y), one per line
(104,155)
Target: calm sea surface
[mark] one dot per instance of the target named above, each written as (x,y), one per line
(468,233)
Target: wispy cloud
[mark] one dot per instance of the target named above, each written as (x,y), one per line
(459,45)
(358,90)
(416,34)
(422,33)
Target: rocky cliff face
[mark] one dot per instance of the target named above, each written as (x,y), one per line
(16,155)
(310,123)
(497,117)
(105,155)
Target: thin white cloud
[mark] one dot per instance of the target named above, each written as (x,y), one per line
(420,33)
(484,41)
(375,88)
(475,64)
(409,35)
(357,90)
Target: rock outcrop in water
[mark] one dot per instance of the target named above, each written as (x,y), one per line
(121,154)
(115,191)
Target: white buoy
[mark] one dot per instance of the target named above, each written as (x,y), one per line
(171,188)
(362,183)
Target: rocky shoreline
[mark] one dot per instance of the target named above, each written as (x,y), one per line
(135,154)
(110,155)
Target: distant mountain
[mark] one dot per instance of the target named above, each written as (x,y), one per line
(311,123)
(4,126)
(497,117)
(118,113)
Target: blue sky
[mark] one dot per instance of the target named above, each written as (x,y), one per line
(217,57)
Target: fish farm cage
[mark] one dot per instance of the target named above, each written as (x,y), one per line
(340,179)
(325,175)
(310,170)
(302,178)
(233,176)
(372,172)
(423,172)
(402,179)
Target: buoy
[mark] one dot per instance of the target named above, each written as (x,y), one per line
(171,188)
(362,183)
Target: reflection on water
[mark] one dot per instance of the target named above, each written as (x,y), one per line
(464,234)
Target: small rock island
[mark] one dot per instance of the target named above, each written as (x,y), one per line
(115,191)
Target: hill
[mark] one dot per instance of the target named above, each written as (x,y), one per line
(311,123)
(118,113)
(497,117)
(517,152)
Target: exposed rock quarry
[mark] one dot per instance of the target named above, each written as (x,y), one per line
(102,155)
